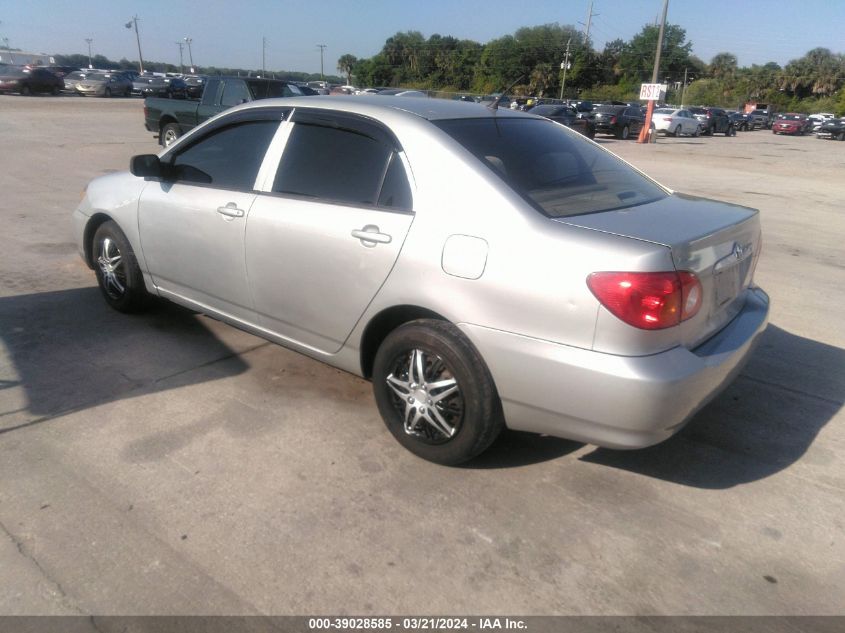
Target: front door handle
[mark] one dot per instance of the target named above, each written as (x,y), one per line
(231,210)
(370,236)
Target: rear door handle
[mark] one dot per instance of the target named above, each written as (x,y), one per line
(370,236)
(231,210)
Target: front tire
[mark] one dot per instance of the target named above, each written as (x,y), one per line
(118,274)
(107,93)
(625,133)
(435,393)
(26,90)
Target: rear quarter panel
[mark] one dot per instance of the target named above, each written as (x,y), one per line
(534,277)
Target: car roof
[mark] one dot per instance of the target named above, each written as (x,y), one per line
(374,106)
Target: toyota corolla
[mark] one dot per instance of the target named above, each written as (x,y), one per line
(483,268)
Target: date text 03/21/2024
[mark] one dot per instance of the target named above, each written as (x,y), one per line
(415,624)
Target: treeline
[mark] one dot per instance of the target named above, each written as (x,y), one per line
(100,61)
(813,82)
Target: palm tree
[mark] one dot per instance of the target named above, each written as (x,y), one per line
(345,64)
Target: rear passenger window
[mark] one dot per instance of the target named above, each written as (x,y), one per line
(228,158)
(333,163)
(395,192)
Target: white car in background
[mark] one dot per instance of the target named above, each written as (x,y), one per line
(820,118)
(675,122)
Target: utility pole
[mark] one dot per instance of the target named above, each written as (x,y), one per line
(684,88)
(181,59)
(321,47)
(643,138)
(263,54)
(128,25)
(89,40)
(188,41)
(565,67)
(590,15)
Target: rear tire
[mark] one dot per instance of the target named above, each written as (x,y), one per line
(169,134)
(26,91)
(435,393)
(118,274)
(841,136)
(677,131)
(625,133)
(107,93)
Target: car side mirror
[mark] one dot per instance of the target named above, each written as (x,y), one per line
(146,166)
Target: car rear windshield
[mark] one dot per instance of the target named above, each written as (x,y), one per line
(557,171)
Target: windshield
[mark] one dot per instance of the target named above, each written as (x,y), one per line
(558,171)
(664,111)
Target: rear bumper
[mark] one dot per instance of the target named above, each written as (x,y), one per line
(614,401)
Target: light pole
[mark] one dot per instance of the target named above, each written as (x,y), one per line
(128,25)
(89,40)
(321,47)
(188,41)
(181,59)
(263,55)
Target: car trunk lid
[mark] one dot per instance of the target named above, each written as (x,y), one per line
(717,241)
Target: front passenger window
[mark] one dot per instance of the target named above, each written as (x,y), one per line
(228,158)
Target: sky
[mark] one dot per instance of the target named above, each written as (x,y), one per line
(229,34)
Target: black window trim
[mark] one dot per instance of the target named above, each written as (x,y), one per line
(273,113)
(347,121)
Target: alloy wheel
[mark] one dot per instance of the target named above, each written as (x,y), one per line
(426,396)
(110,261)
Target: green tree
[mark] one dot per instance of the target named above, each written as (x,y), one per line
(636,60)
(723,66)
(345,64)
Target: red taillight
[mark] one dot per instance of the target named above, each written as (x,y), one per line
(650,301)
(668,119)
(612,120)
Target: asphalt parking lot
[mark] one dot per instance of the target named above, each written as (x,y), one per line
(170,464)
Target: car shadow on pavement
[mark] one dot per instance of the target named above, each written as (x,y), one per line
(762,424)
(516,448)
(66,351)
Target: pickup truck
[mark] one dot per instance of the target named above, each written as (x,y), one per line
(171,118)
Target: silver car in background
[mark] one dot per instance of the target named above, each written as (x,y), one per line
(104,85)
(484,268)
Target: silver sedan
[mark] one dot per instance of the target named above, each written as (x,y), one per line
(104,85)
(484,268)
